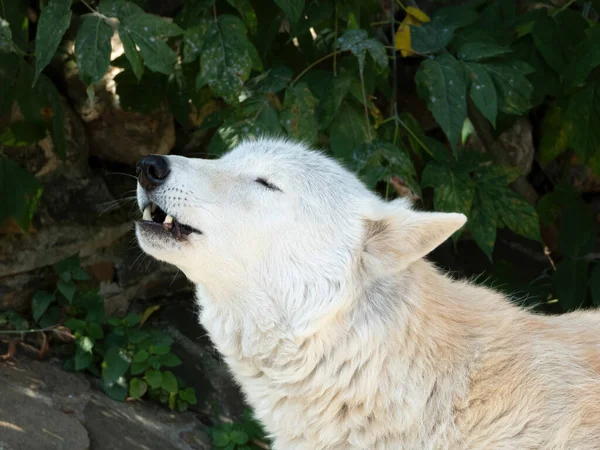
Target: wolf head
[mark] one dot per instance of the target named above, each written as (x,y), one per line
(274,220)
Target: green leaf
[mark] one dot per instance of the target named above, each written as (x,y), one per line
(137,387)
(441,83)
(66,289)
(271,81)
(455,16)
(570,283)
(359,43)
(170,360)
(131,320)
(118,8)
(92,49)
(54,21)
(483,91)
(247,12)
(583,120)
(50,99)
(169,382)
(238,437)
(20,192)
(227,58)
(148,32)
(291,8)
(51,317)
(220,438)
(595,284)
(348,130)
(154,378)
(483,222)
(95,331)
(477,51)
(116,391)
(22,134)
(586,57)
(430,37)
(162,349)
(83,353)
(115,365)
(195,38)
(514,89)
(453,190)
(40,302)
(555,135)
(132,53)
(547,35)
(75,325)
(140,356)
(518,215)
(299,116)
(67,265)
(9,68)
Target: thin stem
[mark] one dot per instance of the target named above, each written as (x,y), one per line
(313,65)
(562,8)
(31,330)
(89,7)
(414,136)
(364,93)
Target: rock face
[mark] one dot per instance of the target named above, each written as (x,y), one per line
(44,408)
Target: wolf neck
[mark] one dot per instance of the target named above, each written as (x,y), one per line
(415,332)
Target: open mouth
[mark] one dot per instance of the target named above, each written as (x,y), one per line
(155,217)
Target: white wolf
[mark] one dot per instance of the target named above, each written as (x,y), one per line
(340,334)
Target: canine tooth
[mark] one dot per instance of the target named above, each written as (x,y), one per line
(147,213)
(168,219)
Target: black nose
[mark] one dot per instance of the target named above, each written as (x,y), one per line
(152,170)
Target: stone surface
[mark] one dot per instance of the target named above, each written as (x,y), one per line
(43,407)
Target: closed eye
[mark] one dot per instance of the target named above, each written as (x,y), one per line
(266,184)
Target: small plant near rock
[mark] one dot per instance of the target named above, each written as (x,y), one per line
(247,434)
(131,359)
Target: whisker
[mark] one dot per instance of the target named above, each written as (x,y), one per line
(123,174)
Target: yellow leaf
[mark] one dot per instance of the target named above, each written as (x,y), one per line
(376,114)
(417,14)
(149,311)
(416,17)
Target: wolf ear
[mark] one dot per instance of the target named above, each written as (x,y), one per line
(397,235)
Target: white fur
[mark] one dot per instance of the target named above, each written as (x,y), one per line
(343,337)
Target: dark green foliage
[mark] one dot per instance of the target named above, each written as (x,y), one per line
(263,73)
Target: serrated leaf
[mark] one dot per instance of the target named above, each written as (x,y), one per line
(583,119)
(441,83)
(483,222)
(555,135)
(148,32)
(115,365)
(54,20)
(227,58)
(291,8)
(570,283)
(348,130)
(169,382)
(137,387)
(478,51)
(131,53)
(453,190)
(92,49)
(359,43)
(40,302)
(483,91)
(20,192)
(299,115)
